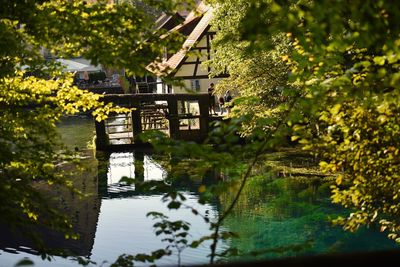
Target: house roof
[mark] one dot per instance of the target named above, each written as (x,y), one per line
(203,14)
(168,22)
(77,64)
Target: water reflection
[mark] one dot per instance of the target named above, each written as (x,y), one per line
(135,165)
(124,228)
(112,220)
(82,213)
(123,225)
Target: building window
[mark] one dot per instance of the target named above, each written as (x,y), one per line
(188,113)
(195,85)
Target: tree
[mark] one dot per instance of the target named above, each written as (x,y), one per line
(34,93)
(345,60)
(259,77)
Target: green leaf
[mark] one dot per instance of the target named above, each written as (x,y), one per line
(335,109)
(174,205)
(379,60)
(24,262)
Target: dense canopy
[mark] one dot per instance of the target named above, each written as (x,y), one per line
(329,70)
(35,93)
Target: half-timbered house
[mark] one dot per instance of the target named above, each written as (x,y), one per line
(187,65)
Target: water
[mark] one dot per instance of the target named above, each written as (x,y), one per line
(290,218)
(274,217)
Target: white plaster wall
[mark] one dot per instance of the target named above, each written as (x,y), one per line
(185,70)
(159,86)
(202,70)
(203,41)
(188,70)
(204,84)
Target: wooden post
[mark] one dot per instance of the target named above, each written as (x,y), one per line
(139,165)
(134,101)
(136,121)
(173,117)
(102,170)
(101,135)
(204,115)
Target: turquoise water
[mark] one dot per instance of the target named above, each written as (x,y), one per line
(295,219)
(275,218)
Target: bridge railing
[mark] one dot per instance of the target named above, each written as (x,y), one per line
(181,116)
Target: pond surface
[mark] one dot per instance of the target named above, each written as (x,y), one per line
(276,217)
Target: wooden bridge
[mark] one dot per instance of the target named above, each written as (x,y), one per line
(180,116)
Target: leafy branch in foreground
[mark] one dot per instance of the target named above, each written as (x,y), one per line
(347,68)
(175,232)
(35,93)
(225,153)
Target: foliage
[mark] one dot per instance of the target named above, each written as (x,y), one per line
(258,78)
(363,146)
(125,84)
(231,173)
(282,192)
(175,232)
(324,72)
(345,61)
(34,93)
(30,153)
(222,164)
(327,81)
(126,260)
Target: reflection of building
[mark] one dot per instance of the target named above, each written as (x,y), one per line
(82,212)
(136,165)
(187,64)
(143,166)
